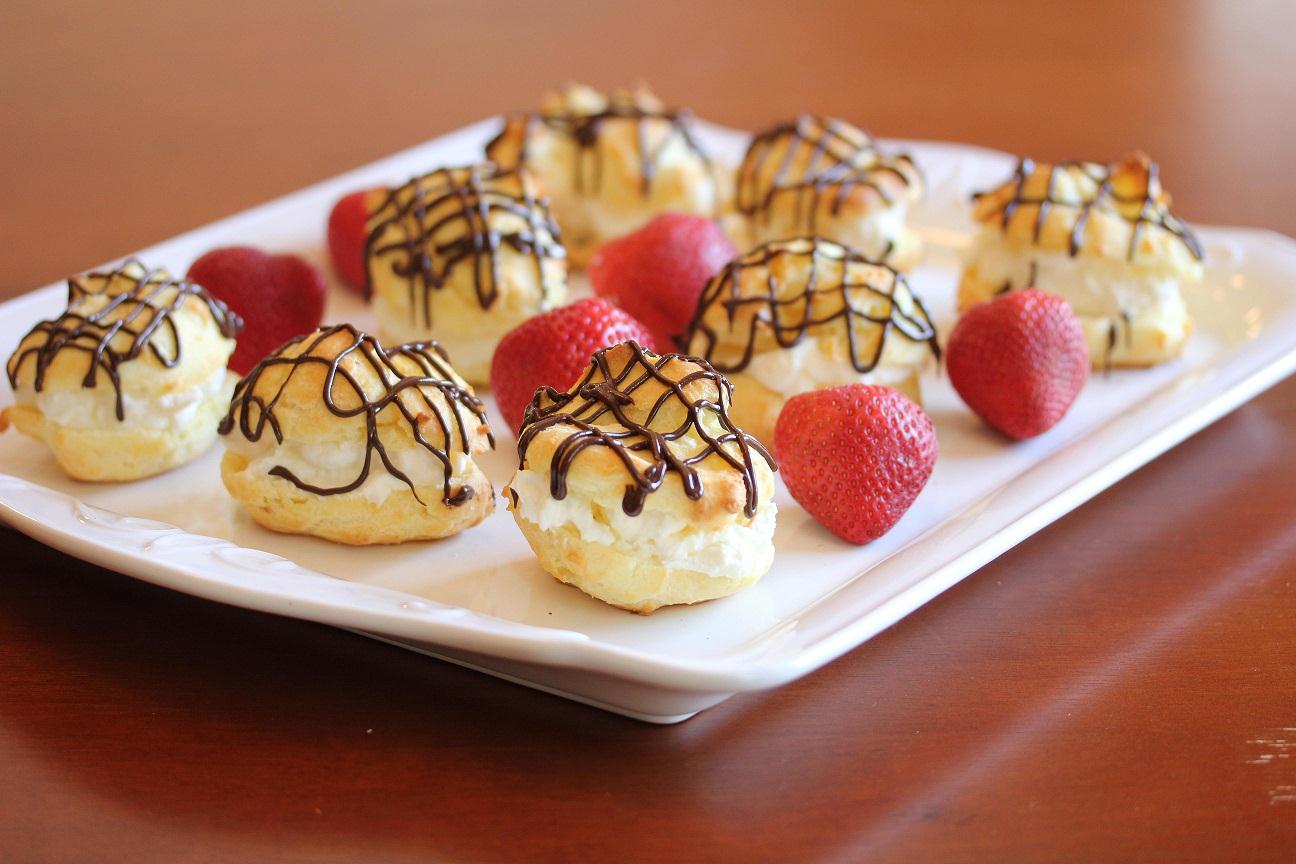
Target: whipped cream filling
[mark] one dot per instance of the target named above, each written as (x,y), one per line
(1095,287)
(602,212)
(469,348)
(96,407)
(808,366)
(592,218)
(669,538)
(869,234)
(875,232)
(328,465)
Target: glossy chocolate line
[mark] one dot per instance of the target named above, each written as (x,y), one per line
(1031,277)
(586,129)
(478,195)
(1114,331)
(1105,199)
(602,394)
(772,311)
(255,412)
(138,312)
(837,163)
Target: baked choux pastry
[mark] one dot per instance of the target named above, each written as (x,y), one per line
(1100,236)
(805,314)
(609,165)
(336,436)
(818,176)
(130,380)
(462,255)
(636,487)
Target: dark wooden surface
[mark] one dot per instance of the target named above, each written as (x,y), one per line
(1121,687)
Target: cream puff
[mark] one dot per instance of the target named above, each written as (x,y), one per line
(804,314)
(1100,236)
(130,380)
(335,436)
(818,176)
(462,255)
(636,487)
(609,164)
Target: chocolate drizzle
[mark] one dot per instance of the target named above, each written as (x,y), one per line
(1114,330)
(1130,190)
(1031,276)
(363,379)
(813,157)
(585,129)
(600,411)
(137,314)
(841,296)
(452,217)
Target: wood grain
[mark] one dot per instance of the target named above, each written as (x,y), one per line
(1121,687)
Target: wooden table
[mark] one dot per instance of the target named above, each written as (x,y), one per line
(1121,687)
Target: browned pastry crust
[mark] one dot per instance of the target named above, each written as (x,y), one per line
(1101,236)
(400,417)
(1117,211)
(803,314)
(644,439)
(609,164)
(129,380)
(822,176)
(464,255)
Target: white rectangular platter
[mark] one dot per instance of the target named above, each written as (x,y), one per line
(481,600)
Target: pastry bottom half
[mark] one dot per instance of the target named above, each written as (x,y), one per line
(352,518)
(120,453)
(627,577)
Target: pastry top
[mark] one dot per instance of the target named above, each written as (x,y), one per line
(1117,211)
(813,163)
(451,229)
(783,292)
(340,388)
(625,149)
(636,417)
(128,325)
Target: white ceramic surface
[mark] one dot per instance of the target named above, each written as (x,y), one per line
(481,600)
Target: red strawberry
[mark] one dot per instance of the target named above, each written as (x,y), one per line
(346,238)
(278,296)
(1019,361)
(554,349)
(658,272)
(855,457)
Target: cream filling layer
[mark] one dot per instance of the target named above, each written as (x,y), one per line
(869,234)
(662,537)
(1095,287)
(873,234)
(470,348)
(328,465)
(96,407)
(812,365)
